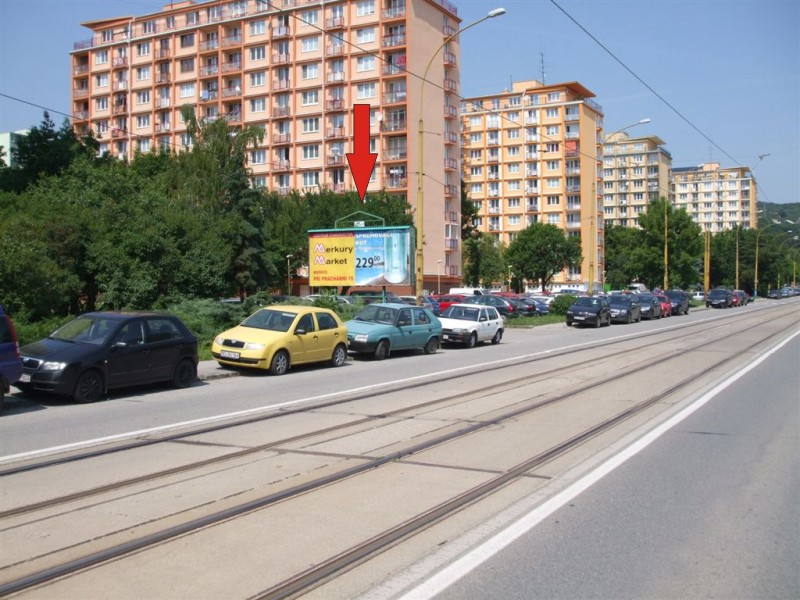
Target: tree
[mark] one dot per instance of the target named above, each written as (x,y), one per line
(469,210)
(483,260)
(621,268)
(541,251)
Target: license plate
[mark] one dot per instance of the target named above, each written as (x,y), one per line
(579,318)
(229,354)
(25,378)
(445,337)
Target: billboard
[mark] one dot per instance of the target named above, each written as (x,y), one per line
(360,256)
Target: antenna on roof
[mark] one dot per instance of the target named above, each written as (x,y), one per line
(542,73)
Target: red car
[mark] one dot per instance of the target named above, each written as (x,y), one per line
(446,300)
(666,305)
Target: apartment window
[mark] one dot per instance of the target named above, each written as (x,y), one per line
(187,40)
(101,126)
(258,78)
(365,36)
(186,90)
(365,8)
(552,129)
(513,203)
(553,200)
(310,97)
(101,103)
(143,97)
(258,53)
(554,219)
(258,27)
(475,154)
(513,186)
(258,105)
(513,168)
(554,96)
(142,121)
(514,219)
(187,65)
(101,80)
(365,63)
(552,147)
(551,113)
(310,178)
(310,44)
(513,116)
(513,134)
(476,188)
(258,157)
(142,73)
(310,71)
(365,90)
(476,171)
(513,151)
(259,181)
(311,125)
(553,165)
(108,35)
(310,152)
(101,57)
(475,138)
(143,49)
(310,17)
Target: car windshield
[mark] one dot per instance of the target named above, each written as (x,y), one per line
(620,301)
(587,301)
(377,314)
(717,294)
(461,312)
(271,320)
(88,329)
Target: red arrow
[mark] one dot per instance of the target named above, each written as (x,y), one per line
(361,162)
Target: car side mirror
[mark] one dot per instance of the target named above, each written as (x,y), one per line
(300,331)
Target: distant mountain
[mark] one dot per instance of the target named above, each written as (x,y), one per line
(772,212)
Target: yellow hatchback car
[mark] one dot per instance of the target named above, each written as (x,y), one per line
(277,337)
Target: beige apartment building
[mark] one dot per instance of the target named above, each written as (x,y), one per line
(636,171)
(532,154)
(717,198)
(297,68)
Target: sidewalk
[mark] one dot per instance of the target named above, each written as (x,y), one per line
(210,369)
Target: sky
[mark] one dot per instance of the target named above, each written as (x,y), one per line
(719,79)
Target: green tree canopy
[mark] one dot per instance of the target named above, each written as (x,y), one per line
(542,250)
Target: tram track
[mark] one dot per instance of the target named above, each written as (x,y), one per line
(359,552)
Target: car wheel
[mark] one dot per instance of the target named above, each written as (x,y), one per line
(339,355)
(431,346)
(382,351)
(88,388)
(630,319)
(280,363)
(569,323)
(184,374)
(473,339)
(498,335)
(598,322)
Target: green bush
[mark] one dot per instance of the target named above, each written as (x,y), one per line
(561,304)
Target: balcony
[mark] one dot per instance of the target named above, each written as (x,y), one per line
(334,23)
(450,85)
(393,70)
(232,92)
(391,41)
(163,103)
(282,138)
(281,84)
(448,30)
(119,109)
(161,127)
(449,59)
(119,85)
(395,125)
(395,154)
(396,183)
(280,32)
(282,191)
(394,97)
(493,158)
(532,207)
(163,53)
(450,163)
(396,12)
(335,77)
(281,165)
(231,66)
(80,69)
(450,137)
(81,115)
(334,133)
(450,190)
(334,104)
(339,188)
(234,117)
(231,40)
(280,59)
(209,45)
(334,50)
(120,61)
(208,95)
(80,92)
(333,160)
(280,112)
(208,71)
(450,112)
(118,133)
(573,188)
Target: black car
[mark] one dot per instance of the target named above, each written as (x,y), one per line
(10,363)
(99,351)
(679,301)
(504,306)
(625,308)
(589,310)
(650,305)
(719,298)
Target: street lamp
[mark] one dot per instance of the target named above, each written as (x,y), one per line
(420,164)
(289,257)
(593,209)
(509,277)
(439,276)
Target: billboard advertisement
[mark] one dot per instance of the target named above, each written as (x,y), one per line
(360,256)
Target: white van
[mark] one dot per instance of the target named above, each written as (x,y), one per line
(470,291)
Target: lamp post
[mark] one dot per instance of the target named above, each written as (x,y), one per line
(289,257)
(420,163)
(593,208)
(439,276)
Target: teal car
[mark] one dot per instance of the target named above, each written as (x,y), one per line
(380,328)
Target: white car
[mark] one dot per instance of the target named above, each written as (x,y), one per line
(469,324)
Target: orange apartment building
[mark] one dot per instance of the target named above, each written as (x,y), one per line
(297,68)
(636,171)
(532,154)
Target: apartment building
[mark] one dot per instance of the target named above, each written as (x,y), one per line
(532,154)
(636,171)
(297,68)
(717,198)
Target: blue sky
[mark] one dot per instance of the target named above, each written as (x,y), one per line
(727,71)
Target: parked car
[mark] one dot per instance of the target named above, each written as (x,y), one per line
(650,305)
(10,361)
(446,300)
(542,308)
(504,306)
(469,324)
(719,298)
(382,327)
(666,304)
(735,300)
(679,302)
(774,294)
(436,307)
(99,351)
(369,296)
(744,297)
(699,296)
(625,308)
(280,336)
(339,299)
(589,310)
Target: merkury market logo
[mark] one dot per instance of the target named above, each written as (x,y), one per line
(320,250)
